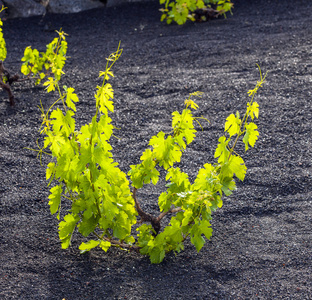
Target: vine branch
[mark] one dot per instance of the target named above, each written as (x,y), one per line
(145,217)
(10,79)
(170,211)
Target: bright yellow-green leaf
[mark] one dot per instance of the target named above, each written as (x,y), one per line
(191,103)
(50,84)
(205,228)
(163,202)
(196,237)
(251,135)
(3,50)
(42,75)
(232,125)
(84,247)
(238,167)
(25,70)
(222,151)
(71,97)
(55,198)
(103,96)
(105,245)
(66,229)
(50,170)
(106,74)
(163,17)
(253,110)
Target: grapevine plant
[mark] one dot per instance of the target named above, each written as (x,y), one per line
(103,202)
(38,66)
(180,11)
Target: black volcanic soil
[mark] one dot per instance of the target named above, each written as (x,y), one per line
(261,245)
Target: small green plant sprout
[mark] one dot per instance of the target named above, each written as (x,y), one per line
(180,11)
(38,66)
(103,202)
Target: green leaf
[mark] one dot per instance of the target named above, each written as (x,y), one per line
(158,143)
(180,14)
(66,229)
(110,209)
(85,247)
(253,110)
(106,74)
(205,228)
(166,151)
(199,228)
(163,17)
(157,255)
(87,225)
(183,127)
(228,185)
(238,167)
(163,202)
(188,215)
(71,97)
(180,178)
(235,166)
(200,4)
(206,179)
(27,54)
(197,240)
(122,228)
(50,84)
(24,69)
(151,175)
(105,127)
(55,142)
(105,245)
(144,238)
(103,96)
(222,151)
(55,198)
(63,123)
(3,50)
(173,235)
(232,125)
(251,135)
(148,171)
(225,7)
(50,170)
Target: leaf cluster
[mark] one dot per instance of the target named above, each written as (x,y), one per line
(179,11)
(104,206)
(35,65)
(41,65)
(88,177)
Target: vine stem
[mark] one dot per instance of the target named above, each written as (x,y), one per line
(8,90)
(122,245)
(244,121)
(146,217)
(170,211)
(116,243)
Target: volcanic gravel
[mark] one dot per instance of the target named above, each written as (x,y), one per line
(261,245)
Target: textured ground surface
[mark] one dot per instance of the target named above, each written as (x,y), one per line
(261,246)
